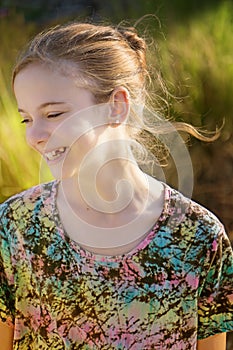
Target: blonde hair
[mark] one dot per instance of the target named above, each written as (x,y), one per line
(105,57)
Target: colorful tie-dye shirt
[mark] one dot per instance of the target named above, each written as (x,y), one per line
(175,287)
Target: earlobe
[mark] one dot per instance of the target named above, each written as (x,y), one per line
(119,102)
(114,122)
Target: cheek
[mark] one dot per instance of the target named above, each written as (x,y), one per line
(80,150)
(85,143)
(79,134)
(28,137)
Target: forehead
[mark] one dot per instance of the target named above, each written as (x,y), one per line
(38,83)
(59,70)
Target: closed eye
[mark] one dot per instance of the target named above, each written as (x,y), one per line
(51,115)
(25,121)
(54,115)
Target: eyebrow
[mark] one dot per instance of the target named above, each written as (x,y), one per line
(43,105)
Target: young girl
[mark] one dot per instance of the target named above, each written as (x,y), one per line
(105,256)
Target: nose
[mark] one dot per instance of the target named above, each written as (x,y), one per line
(37,136)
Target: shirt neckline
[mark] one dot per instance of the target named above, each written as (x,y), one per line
(94,256)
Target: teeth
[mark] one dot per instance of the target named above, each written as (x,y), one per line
(55,154)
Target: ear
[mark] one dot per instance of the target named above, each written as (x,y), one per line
(119,106)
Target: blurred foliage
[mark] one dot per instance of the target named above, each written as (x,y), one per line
(196,62)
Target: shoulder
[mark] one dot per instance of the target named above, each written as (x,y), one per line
(22,203)
(192,216)
(195,234)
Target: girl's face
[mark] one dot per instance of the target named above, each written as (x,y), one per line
(62,120)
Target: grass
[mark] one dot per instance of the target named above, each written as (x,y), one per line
(196,61)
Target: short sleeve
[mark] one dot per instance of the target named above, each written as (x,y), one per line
(7,295)
(215,306)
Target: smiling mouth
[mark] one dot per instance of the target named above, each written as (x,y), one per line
(55,154)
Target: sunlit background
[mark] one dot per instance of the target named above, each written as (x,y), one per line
(192,50)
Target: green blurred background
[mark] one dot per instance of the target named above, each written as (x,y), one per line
(194,55)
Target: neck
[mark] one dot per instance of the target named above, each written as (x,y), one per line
(110,189)
(93,228)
